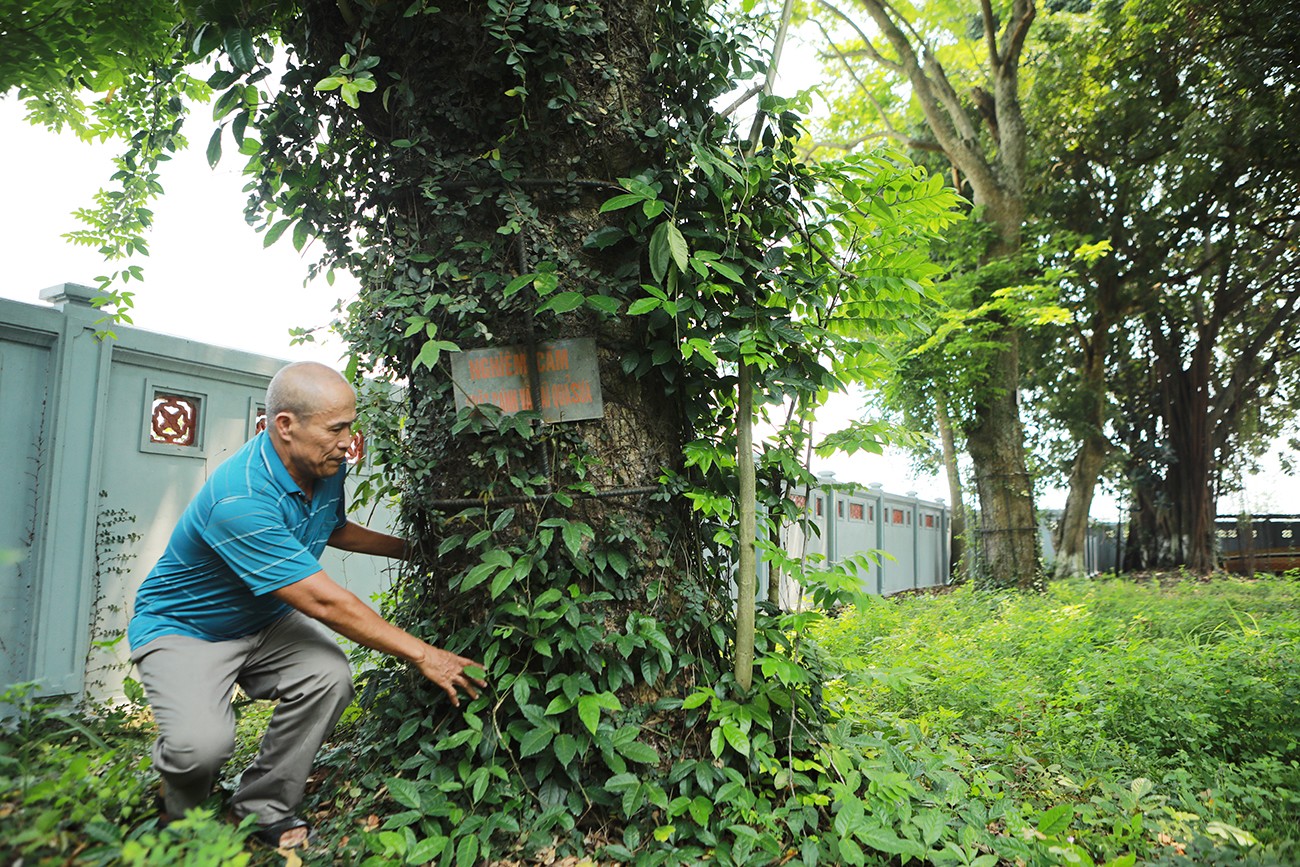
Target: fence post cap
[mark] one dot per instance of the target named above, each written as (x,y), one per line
(69,293)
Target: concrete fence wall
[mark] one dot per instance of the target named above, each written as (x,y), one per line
(909,536)
(111,439)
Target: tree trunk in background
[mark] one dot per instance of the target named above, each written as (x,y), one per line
(995,441)
(959,569)
(1070,538)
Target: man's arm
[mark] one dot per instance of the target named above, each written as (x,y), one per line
(320,598)
(362,540)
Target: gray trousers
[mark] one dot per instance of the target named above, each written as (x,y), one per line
(190,683)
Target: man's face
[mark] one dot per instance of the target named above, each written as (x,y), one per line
(318,443)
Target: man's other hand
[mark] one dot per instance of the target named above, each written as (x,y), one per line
(448,671)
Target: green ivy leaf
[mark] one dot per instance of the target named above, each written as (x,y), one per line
(562,303)
(644,305)
(404,792)
(625,200)
(677,246)
(535,741)
(660,252)
(566,747)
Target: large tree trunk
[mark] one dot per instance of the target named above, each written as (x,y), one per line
(995,440)
(549,551)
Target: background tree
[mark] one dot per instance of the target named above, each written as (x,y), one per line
(927,58)
(1169,135)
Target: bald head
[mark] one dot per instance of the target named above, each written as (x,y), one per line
(305,388)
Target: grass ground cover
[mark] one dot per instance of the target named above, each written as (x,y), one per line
(1159,721)
(1102,722)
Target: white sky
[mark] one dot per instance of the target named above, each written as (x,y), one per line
(208,277)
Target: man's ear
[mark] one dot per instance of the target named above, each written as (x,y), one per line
(283,423)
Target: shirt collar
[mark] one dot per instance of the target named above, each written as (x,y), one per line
(276,468)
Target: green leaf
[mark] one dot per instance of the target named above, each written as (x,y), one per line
(239,47)
(696,699)
(545,283)
(566,747)
(639,752)
(738,739)
(517,284)
(503,579)
(644,305)
(429,354)
(604,303)
(333,82)
(426,850)
(589,707)
(559,704)
(300,233)
(605,236)
(589,712)
(677,246)
(701,808)
(562,303)
(273,234)
(660,252)
(1052,822)
(621,201)
(477,576)
(467,851)
(404,792)
(727,271)
(573,532)
(535,741)
(214,148)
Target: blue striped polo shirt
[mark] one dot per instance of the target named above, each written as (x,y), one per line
(250,530)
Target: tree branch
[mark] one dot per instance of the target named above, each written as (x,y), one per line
(890,130)
(867,47)
(990,38)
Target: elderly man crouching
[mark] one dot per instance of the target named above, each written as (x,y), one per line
(233,598)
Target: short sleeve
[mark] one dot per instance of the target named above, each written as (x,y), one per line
(255,543)
(341,511)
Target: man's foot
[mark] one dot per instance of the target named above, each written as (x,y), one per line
(288,833)
(160,805)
